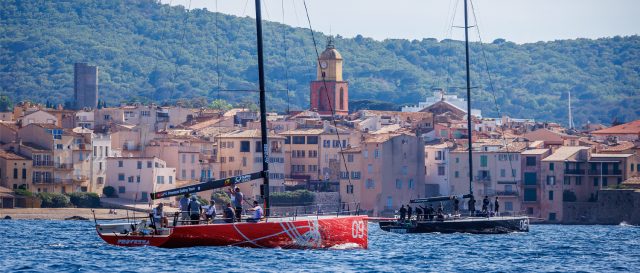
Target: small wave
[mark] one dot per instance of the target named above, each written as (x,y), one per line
(57,245)
(625,224)
(345,246)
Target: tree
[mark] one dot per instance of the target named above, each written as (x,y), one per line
(6,105)
(220,104)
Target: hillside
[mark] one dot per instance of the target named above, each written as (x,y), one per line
(142,56)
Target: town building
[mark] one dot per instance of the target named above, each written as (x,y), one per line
(15,170)
(329,92)
(436,160)
(134,178)
(629,131)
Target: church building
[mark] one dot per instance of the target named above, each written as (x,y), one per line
(329,92)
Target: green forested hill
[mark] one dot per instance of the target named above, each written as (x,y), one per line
(146,52)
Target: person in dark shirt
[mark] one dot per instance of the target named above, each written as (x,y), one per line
(418,213)
(472,206)
(403,212)
(496,206)
(229,214)
(485,204)
(431,212)
(456,206)
(409,211)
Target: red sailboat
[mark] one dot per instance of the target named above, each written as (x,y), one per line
(312,231)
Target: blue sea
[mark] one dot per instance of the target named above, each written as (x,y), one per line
(73,246)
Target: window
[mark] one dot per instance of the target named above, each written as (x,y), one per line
(389,202)
(551,180)
(457,160)
(193,174)
(336,143)
(344,175)
(244,161)
(313,153)
(405,170)
(312,140)
(483,161)
(258,148)
(531,160)
(15,173)
(160,179)
(551,166)
(120,163)
(149,164)
(24,173)
(370,184)
(59,147)
(95,151)
(183,174)
(355,175)
(456,174)
(231,159)
(410,184)
(223,174)
(578,180)
(365,154)
(245,146)
(595,182)
(298,140)
(313,168)
(530,178)
(100,180)
(170,179)
(513,172)
(120,177)
(223,159)
(632,167)
(326,143)
(121,189)
(508,206)
(349,158)
(193,158)
(350,189)
(342,98)
(130,179)
(550,195)
(567,180)
(137,179)
(369,168)
(139,165)
(604,182)
(184,158)
(552,216)
(530,195)
(398,184)
(441,170)
(502,173)
(376,153)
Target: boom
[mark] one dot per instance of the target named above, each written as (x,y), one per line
(209,185)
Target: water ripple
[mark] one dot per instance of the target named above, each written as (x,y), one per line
(73,246)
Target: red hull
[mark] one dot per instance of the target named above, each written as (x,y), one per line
(305,232)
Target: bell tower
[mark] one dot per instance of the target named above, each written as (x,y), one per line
(329,91)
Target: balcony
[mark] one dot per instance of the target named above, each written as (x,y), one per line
(64,166)
(485,178)
(43,163)
(605,172)
(41,180)
(574,172)
(507,193)
(81,147)
(63,181)
(80,178)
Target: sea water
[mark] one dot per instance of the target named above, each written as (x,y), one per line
(74,246)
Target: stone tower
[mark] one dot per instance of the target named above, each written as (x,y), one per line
(329,91)
(85,86)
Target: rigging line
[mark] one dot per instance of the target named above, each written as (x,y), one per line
(449,46)
(184,33)
(235,35)
(286,59)
(491,86)
(324,82)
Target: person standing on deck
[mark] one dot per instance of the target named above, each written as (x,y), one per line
(237,197)
(158,217)
(409,212)
(456,206)
(472,206)
(418,213)
(402,212)
(184,207)
(194,210)
(485,204)
(211,211)
(496,206)
(229,214)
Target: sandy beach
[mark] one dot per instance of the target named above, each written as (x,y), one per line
(61,213)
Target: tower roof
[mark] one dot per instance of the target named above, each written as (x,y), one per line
(330,53)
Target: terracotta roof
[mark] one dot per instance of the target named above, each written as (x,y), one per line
(254,133)
(34,146)
(610,155)
(46,125)
(10,125)
(11,156)
(621,146)
(303,132)
(627,128)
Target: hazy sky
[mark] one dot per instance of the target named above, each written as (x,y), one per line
(521,21)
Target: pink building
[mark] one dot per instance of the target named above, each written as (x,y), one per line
(134,178)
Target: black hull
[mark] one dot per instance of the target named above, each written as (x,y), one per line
(474,225)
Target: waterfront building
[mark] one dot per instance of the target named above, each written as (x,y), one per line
(497,171)
(531,164)
(436,160)
(134,178)
(101,150)
(15,170)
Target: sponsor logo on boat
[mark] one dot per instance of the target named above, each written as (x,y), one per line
(242,178)
(132,242)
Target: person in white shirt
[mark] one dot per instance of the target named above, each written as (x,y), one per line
(211,211)
(158,216)
(257,213)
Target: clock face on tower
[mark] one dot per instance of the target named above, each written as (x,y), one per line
(323,64)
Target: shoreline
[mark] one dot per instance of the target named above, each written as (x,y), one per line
(61,213)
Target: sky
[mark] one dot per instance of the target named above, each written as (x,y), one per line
(520,21)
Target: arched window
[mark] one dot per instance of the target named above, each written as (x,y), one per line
(342,98)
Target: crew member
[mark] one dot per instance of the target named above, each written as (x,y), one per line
(211,211)
(496,206)
(418,213)
(184,207)
(485,204)
(403,212)
(237,198)
(409,211)
(229,214)
(159,219)
(194,210)
(472,206)
(257,213)
(456,206)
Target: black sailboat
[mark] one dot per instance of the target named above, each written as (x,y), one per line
(487,224)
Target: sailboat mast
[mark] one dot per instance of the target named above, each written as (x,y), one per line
(263,112)
(469,129)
